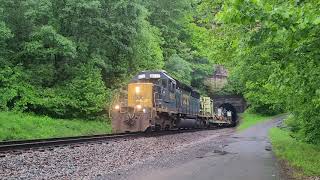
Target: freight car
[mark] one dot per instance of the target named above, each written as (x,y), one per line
(155,101)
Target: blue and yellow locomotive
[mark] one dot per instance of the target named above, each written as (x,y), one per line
(156,101)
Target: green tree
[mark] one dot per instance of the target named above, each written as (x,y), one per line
(179,68)
(276,57)
(65,58)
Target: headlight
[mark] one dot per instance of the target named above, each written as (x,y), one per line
(117,107)
(139,107)
(137,90)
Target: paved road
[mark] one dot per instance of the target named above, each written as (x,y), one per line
(240,156)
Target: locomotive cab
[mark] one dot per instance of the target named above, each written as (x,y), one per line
(136,112)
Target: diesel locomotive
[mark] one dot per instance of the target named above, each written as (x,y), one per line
(155,101)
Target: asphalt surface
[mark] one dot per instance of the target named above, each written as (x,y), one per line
(243,155)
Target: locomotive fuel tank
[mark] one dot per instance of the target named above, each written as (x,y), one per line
(187,123)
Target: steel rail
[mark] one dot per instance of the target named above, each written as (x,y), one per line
(30,144)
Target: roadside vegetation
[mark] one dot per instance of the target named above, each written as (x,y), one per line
(304,157)
(18,126)
(272,51)
(249,119)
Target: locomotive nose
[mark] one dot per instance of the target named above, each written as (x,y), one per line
(130,121)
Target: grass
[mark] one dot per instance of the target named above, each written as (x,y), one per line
(18,126)
(251,119)
(300,155)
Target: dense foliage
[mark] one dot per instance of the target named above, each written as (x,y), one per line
(272,49)
(66,58)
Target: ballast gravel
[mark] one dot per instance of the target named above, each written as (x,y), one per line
(101,159)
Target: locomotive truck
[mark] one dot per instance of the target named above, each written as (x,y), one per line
(154,101)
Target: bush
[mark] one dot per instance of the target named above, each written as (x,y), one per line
(20,126)
(299,154)
(292,123)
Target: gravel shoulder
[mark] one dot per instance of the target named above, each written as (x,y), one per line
(107,160)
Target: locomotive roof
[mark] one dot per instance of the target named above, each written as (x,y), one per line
(152,75)
(164,75)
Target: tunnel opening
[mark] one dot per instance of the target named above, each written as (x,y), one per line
(231,108)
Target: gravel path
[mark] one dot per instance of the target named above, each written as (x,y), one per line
(242,155)
(106,160)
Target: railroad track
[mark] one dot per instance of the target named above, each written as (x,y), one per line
(56,142)
(42,144)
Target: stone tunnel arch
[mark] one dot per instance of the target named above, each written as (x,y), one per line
(238,102)
(235,103)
